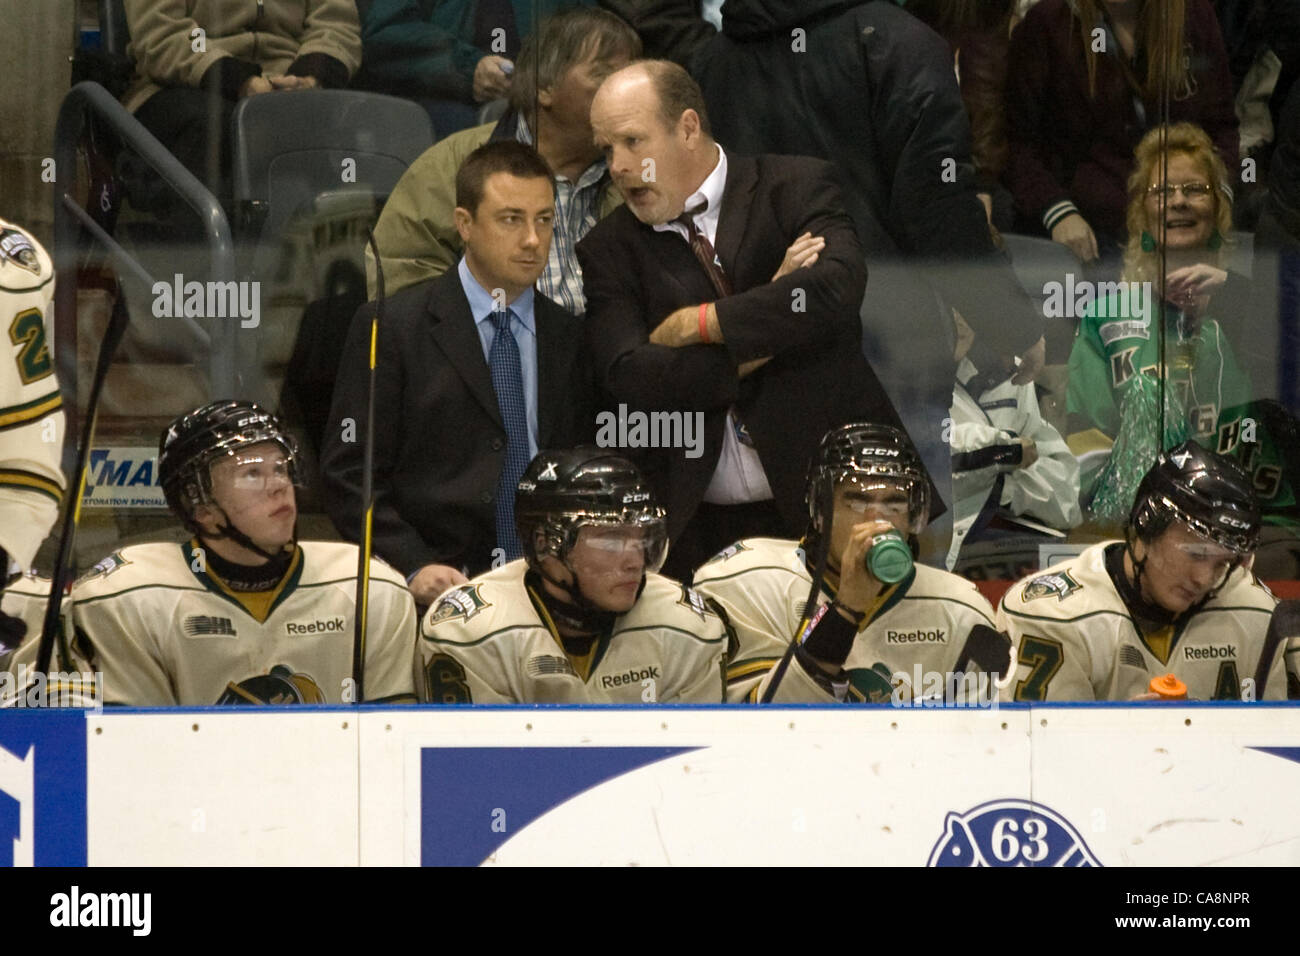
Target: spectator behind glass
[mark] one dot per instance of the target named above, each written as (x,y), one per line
(450,55)
(978,33)
(1182,221)
(1085,83)
(185,96)
(560,68)
(1008,462)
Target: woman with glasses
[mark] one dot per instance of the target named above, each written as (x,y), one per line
(1085,80)
(1179,216)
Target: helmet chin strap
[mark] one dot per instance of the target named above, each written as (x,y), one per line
(1131,591)
(578,613)
(232,532)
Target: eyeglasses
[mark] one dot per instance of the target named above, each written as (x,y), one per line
(255,474)
(1193,191)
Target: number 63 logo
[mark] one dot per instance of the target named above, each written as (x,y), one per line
(1010,833)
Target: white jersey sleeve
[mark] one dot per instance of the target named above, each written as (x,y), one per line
(31,412)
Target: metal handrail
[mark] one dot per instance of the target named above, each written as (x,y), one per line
(70,217)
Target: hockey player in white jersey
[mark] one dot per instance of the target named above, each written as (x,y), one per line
(1176,596)
(583,617)
(865,640)
(242,612)
(31,410)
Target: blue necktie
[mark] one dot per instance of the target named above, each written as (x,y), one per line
(508,383)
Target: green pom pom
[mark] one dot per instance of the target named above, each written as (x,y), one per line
(1136,446)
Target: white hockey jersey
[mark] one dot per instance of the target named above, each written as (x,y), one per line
(165,632)
(491,642)
(1076,640)
(31,408)
(918,627)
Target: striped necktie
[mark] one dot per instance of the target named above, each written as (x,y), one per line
(704,251)
(508,383)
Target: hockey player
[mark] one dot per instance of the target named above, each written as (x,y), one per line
(242,612)
(31,411)
(583,617)
(1175,596)
(865,640)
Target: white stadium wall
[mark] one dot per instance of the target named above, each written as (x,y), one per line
(1047,786)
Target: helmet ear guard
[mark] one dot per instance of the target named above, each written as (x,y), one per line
(866,453)
(1209,493)
(193,442)
(563,492)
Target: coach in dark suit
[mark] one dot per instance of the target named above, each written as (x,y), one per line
(476,372)
(745,309)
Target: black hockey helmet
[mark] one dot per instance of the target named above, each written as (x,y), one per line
(868,455)
(194,440)
(563,491)
(1208,492)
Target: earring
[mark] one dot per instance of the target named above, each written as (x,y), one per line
(1215,240)
(1148,242)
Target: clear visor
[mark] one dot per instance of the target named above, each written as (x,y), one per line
(257,472)
(900,501)
(614,547)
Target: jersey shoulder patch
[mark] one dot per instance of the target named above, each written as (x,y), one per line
(105,567)
(1058,584)
(462,604)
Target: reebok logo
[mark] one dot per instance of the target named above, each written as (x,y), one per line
(631,677)
(315,627)
(937,636)
(1222,652)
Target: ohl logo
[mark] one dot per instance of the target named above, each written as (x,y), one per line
(1010,833)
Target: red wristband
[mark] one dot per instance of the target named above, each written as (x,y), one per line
(704,322)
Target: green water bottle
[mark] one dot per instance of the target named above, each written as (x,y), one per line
(889,558)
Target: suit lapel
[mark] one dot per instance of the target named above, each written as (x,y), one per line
(680,267)
(737,197)
(454,331)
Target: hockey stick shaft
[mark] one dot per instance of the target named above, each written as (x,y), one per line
(72,509)
(367,494)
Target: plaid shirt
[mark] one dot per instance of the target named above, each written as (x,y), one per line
(576,207)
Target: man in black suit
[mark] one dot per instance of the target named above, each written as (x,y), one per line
(760,334)
(476,371)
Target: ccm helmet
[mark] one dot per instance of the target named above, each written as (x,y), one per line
(867,455)
(192,442)
(1208,492)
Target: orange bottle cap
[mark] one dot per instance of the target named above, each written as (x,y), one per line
(1169,687)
